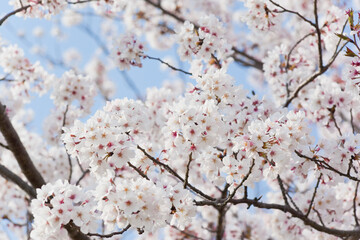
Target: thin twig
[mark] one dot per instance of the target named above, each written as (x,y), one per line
(167,64)
(292,201)
(318,33)
(313,196)
(352,121)
(319,216)
(293,48)
(293,12)
(10,176)
(14,223)
(82,176)
(283,191)
(325,165)
(4,146)
(3,19)
(100,43)
(175,174)
(332,118)
(68,155)
(318,73)
(241,183)
(19,151)
(141,173)
(110,234)
(354,204)
(187,170)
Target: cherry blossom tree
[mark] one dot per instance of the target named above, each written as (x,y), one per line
(182,162)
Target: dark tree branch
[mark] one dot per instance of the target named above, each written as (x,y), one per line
(299,215)
(167,64)
(10,176)
(323,164)
(318,34)
(68,155)
(283,191)
(332,118)
(313,196)
(241,183)
(110,234)
(74,232)
(23,8)
(27,166)
(352,121)
(175,174)
(187,170)
(141,173)
(4,146)
(82,176)
(293,48)
(318,73)
(354,205)
(293,12)
(19,151)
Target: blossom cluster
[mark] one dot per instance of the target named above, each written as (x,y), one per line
(259,14)
(73,86)
(127,51)
(22,75)
(40,8)
(56,205)
(203,42)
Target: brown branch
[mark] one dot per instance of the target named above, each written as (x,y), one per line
(352,121)
(293,48)
(241,183)
(68,155)
(110,234)
(293,12)
(325,165)
(74,232)
(82,176)
(332,118)
(354,204)
(23,8)
(255,63)
(222,209)
(167,64)
(27,166)
(294,213)
(319,72)
(283,191)
(319,216)
(141,173)
(19,151)
(4,146)
(14,223)
(187,170)
(175,174)
(313,196)
(10,176)
(292,201)
(318,34)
